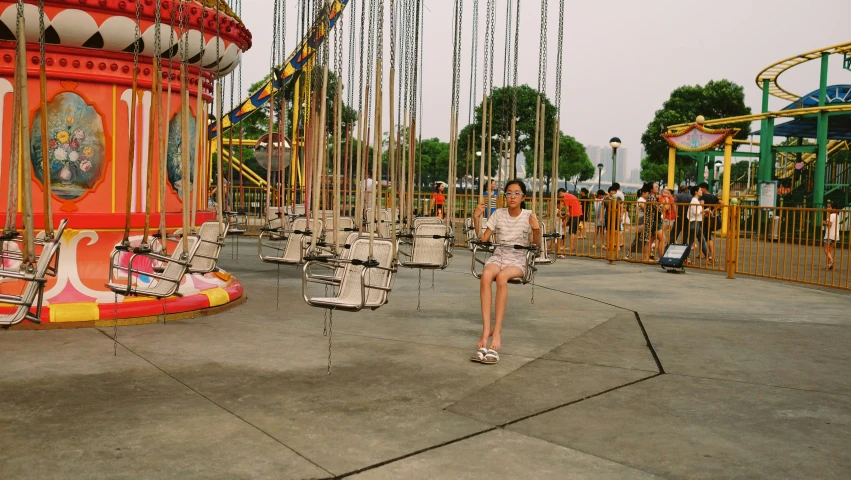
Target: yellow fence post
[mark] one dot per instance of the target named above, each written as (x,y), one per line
(732,239)
(672,161)
(725,190)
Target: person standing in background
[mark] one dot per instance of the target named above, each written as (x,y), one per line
(831,234)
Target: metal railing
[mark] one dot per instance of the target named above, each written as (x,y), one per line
(780,243)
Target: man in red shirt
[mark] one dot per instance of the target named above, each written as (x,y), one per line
(572,216)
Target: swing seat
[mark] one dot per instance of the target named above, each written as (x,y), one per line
(429,247)
(211,243)
(295,243)
(338,268)
(547,256)
(345,225)
(384,223)
(483,250)
(366,282)
(47,264)
(163,284)
(427,220)
(237,223)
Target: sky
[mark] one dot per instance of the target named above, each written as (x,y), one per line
(622,58)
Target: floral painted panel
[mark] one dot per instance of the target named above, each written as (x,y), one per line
(76,146)
(175,149)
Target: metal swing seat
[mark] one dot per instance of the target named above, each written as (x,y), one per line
(429,246)
(483,250)
(237,222)
(338,268)
(211,242)
(164,281)
(345,226)
(295,242)
(385,221)
(35,278)
(547,256)
(366,281)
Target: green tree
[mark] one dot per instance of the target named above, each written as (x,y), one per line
(716,99)
(573,162)
(434,156)
(501,98)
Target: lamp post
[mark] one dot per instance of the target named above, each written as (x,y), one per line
(599,176)
(615,142)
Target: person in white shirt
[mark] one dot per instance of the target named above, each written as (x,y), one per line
(695,222)
(831,234)
(514,226)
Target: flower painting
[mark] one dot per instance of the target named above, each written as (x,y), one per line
(75,145)
(175,152)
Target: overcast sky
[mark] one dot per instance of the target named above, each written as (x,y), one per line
(622,58)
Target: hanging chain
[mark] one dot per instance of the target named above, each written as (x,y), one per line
(533,293)
(432,279)
(42,37)
(475,49)
(542,52)
(115,326)
(138,35)
(325,328)
(559,57)
(419,286)
(491,31)
(330,329)
(516,60)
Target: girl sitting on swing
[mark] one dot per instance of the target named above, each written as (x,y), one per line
(513,226)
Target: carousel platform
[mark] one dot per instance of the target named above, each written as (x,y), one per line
(78,296)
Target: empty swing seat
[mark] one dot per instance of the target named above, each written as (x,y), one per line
(33,292)
(237,223)
(345,225)
(338,268)
(366,282)
(295,243)
(547,256)
(428,247)
(211,243)
(163,284)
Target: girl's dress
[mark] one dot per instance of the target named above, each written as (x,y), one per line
(510,231)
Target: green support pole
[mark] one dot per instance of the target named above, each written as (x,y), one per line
(764,140)
(821,137)
(701,164)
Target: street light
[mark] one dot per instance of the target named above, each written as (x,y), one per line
(615,142)
(599,176)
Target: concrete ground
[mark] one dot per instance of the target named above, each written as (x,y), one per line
(741,378)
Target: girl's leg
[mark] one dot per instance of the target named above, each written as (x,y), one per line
(488,275)
(502,279)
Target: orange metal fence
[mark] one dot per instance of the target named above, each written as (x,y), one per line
(779,243)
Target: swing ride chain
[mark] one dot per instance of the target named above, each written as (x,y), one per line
(542,52)
(474,48)
(115,326)
(330,328)
(41,38)
(516,60)
(419,286)
(492,20)
(559,58)
(138,35)
(325,328)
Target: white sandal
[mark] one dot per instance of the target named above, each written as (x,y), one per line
(479,356)
(491,357)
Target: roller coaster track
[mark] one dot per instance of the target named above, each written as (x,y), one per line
(772,74)
(284,74)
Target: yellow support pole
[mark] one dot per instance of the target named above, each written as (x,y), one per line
(672,161)
(725,191)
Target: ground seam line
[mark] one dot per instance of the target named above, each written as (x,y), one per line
(264,432)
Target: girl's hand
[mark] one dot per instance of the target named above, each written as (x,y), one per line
(480,210)
(533,222)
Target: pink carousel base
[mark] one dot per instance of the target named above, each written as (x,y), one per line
(78,296)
